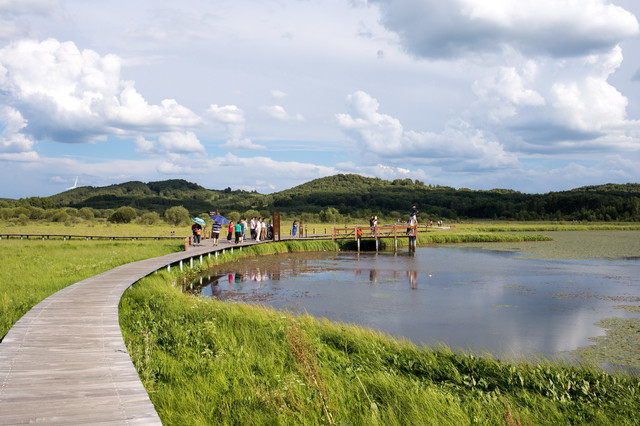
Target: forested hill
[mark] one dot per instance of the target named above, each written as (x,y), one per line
(152,196)
(360,197)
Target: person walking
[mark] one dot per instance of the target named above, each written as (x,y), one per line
(372,226)
(215,232)
(197,230)
(230,234)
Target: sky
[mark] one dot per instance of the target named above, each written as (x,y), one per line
(530,95)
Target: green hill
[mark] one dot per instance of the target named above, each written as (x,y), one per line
(359,197)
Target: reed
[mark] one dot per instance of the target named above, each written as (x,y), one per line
(209,362)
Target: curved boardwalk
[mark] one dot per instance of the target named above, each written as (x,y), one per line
(65,361)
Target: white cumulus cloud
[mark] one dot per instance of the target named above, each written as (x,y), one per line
(279,113)
(75,96)
(381,137)
(233,119)
(181,143)
(434,28)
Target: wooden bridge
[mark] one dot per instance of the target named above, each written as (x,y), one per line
(65,361)
(378,232)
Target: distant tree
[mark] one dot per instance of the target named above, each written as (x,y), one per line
(86,213)
(177,215)
(21,211)
(59,216)
(36,213)
(149,218)
(233,216)
(251,213)
(123,215)
(331,215)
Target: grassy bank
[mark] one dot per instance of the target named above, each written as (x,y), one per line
(208,362)
(94,227)
(32,270)
(447,237)
(501,226)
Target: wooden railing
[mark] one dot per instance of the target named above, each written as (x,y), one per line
(383,231)
(85,237)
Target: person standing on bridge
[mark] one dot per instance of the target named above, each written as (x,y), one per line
(294,229)
(414,213)
(197,230)
(258,229)
(263,230)
(215,232)
(252,227)
(238,232)
(230,234)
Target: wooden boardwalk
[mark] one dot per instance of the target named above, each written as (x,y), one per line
(65,361)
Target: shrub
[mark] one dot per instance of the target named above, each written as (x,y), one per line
(331,215)
(124,214)
(59,216)
(149,218)
(233,216)
(36,213)
(251,213)
(177,215)
(86,213)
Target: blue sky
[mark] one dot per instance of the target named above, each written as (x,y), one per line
(532,95)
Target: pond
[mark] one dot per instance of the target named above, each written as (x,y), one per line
(478,300)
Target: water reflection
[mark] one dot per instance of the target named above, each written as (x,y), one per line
(467,298)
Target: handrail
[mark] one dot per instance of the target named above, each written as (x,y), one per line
(378,231)
(90,237)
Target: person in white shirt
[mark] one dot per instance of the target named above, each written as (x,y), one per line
(258,229)
(252,227)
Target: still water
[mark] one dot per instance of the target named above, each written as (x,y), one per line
(477,300)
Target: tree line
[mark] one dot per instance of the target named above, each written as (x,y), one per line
(330,199)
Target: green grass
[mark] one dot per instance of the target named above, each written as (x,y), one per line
(32,270)
(95,227)
(546,226)
(209,362)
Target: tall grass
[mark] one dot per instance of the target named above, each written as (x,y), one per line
(445,238)
(547,226)
(32,270)
(209,362)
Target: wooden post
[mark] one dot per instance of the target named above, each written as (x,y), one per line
(395,238)
(276,226)
(333,233)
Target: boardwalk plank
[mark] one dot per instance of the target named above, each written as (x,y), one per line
(65,361)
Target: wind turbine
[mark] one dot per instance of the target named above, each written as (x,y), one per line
(75,185)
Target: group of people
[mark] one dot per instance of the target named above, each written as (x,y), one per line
(256,228)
